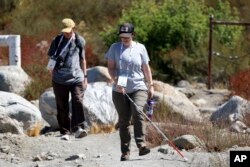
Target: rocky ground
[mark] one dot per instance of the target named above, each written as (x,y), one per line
(95,150)
(100,150)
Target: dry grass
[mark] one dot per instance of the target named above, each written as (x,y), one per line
(246,119)
(35,130)
(215,138)
(97,128)
(94,129)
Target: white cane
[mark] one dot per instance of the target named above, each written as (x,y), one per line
(165,137)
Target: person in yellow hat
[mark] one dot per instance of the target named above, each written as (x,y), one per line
(69,76)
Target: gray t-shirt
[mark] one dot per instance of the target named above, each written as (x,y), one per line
(71,72)
(129,60)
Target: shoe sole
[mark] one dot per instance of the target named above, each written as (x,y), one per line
(144,153)
(124,159)
(83,134)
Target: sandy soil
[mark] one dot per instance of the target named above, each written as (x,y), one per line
(95,150)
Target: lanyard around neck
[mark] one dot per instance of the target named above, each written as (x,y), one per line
(130,56)
(64,48)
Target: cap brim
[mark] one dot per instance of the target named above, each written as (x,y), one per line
(67,30)
(126,35)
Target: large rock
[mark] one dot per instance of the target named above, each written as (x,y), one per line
(10,125)
(231,111)
(97,102)
(17,111)
(176,101)
(47,106)
(98,74)
(188,142)
(13,79)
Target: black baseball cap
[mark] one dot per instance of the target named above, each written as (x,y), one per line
(126,30)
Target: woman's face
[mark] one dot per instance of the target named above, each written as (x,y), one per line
(126,40)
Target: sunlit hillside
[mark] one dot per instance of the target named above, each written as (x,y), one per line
(39,21)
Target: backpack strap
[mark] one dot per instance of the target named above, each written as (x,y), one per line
(54,45)
(78,44)
(57,40)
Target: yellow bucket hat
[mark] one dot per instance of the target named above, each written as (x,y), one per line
(68,24)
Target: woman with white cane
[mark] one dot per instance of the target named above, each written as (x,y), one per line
(128,65)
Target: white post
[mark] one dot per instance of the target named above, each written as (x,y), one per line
(13,41)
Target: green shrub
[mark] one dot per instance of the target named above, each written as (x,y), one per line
(175,33)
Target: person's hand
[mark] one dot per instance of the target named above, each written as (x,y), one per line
(115,80)
(51,71)
(120,89)
(85,84)
(150,92)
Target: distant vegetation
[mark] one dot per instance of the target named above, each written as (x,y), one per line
(174,32)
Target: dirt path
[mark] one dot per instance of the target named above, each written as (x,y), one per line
(95,150)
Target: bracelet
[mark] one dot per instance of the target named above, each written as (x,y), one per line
(85,76)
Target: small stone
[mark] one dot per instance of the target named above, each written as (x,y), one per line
(5,149)
(163,150)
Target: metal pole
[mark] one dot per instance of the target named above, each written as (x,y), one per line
(210,52)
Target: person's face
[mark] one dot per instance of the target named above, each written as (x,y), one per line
(68,34)
(126,40)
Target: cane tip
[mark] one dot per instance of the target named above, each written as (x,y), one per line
(185,159)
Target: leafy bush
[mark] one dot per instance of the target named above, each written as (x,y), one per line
(175,33)
(227,35)
(230,46)
(6,6)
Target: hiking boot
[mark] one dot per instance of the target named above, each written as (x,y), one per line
(80,133)
(143,151)
(125,156)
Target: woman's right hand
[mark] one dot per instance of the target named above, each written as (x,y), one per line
(120,89)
